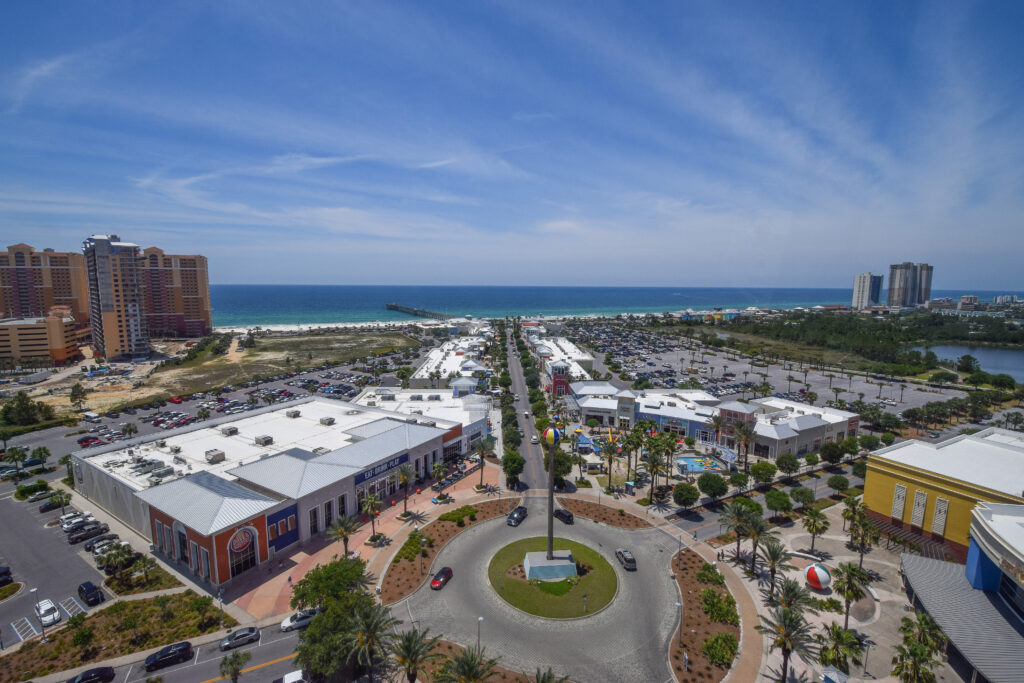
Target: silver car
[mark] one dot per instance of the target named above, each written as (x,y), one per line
(243,636)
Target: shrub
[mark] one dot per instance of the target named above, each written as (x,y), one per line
(827,605)
(860,469)
(718,607)
(583,484)
(459,514)
(643,501)
(720,649)
(708,574)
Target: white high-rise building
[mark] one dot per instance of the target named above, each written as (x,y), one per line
(867,291)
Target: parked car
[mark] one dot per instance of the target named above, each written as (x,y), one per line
(102,674)
(5,576)
(99,541)
(626,559)
(249,634)
(517,516)
(299,620)
(41,495)
(47,612)
(31,462)
(172,654)
(49,505)
(564,515)
(66,524)
(443,576)
(90,594)
(88,531)
(79,524)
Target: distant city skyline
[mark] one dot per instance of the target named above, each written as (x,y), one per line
(522,143)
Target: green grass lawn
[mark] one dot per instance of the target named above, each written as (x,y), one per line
(557,601)
(9,590)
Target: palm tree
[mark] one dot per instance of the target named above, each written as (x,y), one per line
(469,665)
(130,429)
(923,629)
(744,437)
(775,557)
(269,398)
(631,443)
(545,677)
(368,635)
(232,665)
(794,596)
(404,476)
(757,530)
(838,647)
(371,506)
(863,534)
(789,383)
(203,413)
(717,423)
(343,528)
(913,663)
(735,518)
(854,509)
(16,455)
(849,580)
(480,448)
(61,498)
(42,453)
(789,632)
(815,523)
(146,564)
(655,466)
(609,449)
(412,650)
(439,471)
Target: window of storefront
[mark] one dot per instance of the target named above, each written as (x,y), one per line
(314,521)
(1012,593)
(328,514)
(242,551)
(193,557)
(342,505)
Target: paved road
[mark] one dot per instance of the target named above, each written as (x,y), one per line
(627,641)
(534,476)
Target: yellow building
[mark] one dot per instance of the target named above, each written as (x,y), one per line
(932,488)
(55,337)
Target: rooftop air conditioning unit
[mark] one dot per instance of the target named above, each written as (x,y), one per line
(371,404)
(264,440)
(214,455)
(430,423)
(175,449)
(162,472)
(161,443)
(154,481)
(417,412)
(327,421)
(229,430)
(320,450)
(292,413)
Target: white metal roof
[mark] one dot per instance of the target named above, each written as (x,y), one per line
(207,503)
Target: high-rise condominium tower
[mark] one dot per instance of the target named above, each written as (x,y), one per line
(910,284)
(33,282)
(115,298)
(867,290)
(176,294)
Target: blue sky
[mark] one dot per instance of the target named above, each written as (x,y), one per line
(650,143)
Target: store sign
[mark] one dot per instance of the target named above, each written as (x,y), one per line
(1012,569)
(380,469)
(241,540)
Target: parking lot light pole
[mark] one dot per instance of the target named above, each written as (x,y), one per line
(35,602)
(479,620)
(220,599)
(680,606)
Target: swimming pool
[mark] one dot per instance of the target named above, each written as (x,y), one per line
(697,463)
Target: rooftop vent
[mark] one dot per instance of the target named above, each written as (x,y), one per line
(351,412)
(161,443)
(292,413)
(175,449)
(388,397)
(372,404)
(327,421)
(229,430)
(320,450)
(434,397)
(264,440)
(416,397)
(180,460)
(417,412)
(214,455)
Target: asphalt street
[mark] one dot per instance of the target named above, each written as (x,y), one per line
(627,641)
(534,476)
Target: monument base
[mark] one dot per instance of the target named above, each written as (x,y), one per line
(538,566)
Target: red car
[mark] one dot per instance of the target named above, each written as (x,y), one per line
(441,578)
(175,399)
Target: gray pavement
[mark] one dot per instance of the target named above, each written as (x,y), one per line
(626,641)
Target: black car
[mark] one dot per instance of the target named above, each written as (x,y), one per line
(103,674)
(517,516)
(90,545)
(564,515)
(172,654)
(86,532)
(49,505)
(90,594)
(5,576)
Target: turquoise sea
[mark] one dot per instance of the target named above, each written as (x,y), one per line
(243,305)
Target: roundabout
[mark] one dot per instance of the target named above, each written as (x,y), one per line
(627,639)
(576,597)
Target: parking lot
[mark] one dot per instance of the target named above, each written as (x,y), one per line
(40,558)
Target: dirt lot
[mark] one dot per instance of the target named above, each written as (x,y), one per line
(272,355)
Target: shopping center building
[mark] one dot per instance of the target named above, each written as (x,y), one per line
(223,496)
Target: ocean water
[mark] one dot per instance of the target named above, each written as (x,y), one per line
(243,305)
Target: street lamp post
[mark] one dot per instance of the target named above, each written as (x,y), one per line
(35,602)
(220,599)
(479,620)
(585,595)
(680,606)
(679,557)
(867,653)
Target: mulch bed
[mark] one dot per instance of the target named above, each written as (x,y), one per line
(697,627)
(606,514)
(404,577)
(447,649)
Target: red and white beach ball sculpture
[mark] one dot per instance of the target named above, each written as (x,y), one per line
(817,576)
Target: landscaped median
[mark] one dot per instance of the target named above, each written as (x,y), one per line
(121,628)
(565,599)
(605,514)
(411,563)
(710,637)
